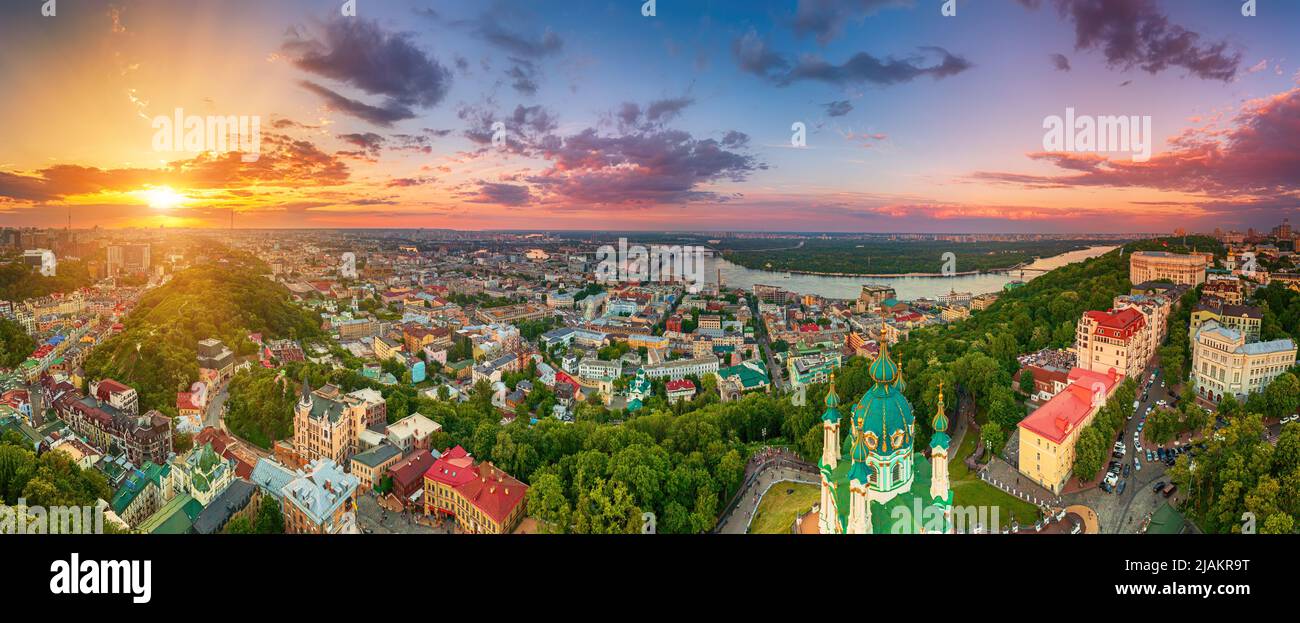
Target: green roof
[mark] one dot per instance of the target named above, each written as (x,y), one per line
(135,484)
(175,517)
(751,374)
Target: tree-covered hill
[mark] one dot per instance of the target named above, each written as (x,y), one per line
(19,281)
(156,354)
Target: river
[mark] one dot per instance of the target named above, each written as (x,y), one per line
(908,288)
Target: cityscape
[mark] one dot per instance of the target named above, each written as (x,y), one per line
(306,273)
(438,381)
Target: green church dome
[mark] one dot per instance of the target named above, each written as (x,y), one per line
(861,472)
(883,416)
(832,413)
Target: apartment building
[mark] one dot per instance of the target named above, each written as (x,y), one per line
(1244,319)
(1113,339)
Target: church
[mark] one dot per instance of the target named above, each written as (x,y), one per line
(871,480)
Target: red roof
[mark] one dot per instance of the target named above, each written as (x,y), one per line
(562,377)
(680,385)
(455,467)
(491,490)
(410,469)
(1121,324)
(1056,419)
(185,400)
(108,387)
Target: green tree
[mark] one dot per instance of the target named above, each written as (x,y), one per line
(1090,452)
(994,437)
(269,518)
(1027,382)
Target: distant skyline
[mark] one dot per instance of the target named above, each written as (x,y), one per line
(681,121)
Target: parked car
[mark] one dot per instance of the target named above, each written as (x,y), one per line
(1291,418)
(1120,489)
(1126,470)
(1159,486)
(1151,456)
(1137,464)
(1172,489)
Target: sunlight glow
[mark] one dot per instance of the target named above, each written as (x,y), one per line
(162,197)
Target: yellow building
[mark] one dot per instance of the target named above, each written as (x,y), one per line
(370,466)
(387,349)
(1240,318)
(327,424)
(482,498)
(1048,435)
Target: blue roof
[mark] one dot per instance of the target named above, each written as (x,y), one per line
(270,476)
(1260,348)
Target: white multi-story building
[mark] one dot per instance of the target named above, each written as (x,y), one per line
(1223,362)
(599,369)
(683,367)
(1155,311)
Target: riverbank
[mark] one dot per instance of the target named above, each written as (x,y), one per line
(907,287)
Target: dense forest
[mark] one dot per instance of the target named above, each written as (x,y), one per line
(1240,480)
(891,257)
(227,300)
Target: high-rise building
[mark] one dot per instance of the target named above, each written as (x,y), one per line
(128,259)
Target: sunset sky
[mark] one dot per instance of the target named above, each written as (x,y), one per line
(681,121)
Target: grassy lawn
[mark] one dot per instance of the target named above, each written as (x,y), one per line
(969,490)
(957,465)
(974,492)
(778,509)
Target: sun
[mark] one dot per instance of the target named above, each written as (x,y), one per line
(163,197)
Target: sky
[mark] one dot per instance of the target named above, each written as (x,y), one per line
(581,114)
